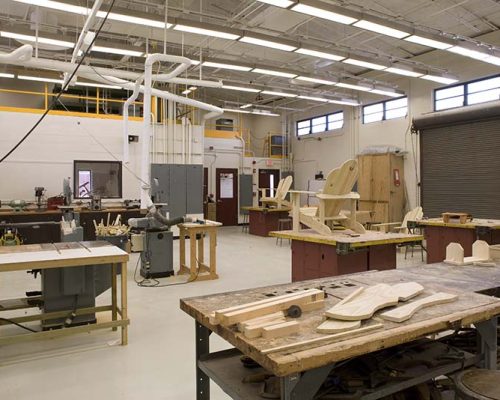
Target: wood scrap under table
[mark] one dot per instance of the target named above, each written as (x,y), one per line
(302,358)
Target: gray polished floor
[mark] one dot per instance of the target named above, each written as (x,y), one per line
(158,363)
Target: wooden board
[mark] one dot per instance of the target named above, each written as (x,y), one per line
(405,312)
(336,326)
(476,222)
(279,330)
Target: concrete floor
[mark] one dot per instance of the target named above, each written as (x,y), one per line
(158,363)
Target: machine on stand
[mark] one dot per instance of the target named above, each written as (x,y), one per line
(157,243)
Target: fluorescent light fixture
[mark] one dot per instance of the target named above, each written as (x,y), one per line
(265,113)
(236,111)
(365,64)
(278,3)
(382,29)
(186,92)
(57,6)
(207,32)
(226,66)
(240,89)
(325,14)
(267,43)
(246,106)
(193,88)
(386,92)
(195,62)
(30,38)
(134,20)
(4,75)
(354,87)
(345,102)
(439,79)
(113,50)
(463,51)
(319,54)
(404,72)
(314,99)
(99,85)
(428,42)
(316,80)
(39,79)
(270,93)
(273,73)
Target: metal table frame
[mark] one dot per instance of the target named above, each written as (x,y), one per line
(305,385)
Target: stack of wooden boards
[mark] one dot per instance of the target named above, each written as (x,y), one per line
(360,305)
(272,317)
(112,228)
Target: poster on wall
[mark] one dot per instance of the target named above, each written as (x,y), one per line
(226,186)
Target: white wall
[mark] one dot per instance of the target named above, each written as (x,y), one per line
(311,155)
(47,156)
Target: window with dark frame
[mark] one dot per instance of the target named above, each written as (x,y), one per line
(319,124)
(97,178)
(385,110)
(468,93)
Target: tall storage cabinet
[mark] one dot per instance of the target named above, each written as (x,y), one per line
(381,186)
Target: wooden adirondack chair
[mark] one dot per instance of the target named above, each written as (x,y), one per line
(402,227)
(279,200)
(336,192)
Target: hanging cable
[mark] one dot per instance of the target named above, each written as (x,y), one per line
(63,89)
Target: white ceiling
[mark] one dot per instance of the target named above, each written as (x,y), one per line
(469,18)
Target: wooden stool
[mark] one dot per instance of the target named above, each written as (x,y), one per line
(479,384)
(283,224)
(197,268)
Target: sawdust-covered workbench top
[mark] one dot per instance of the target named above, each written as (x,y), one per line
(472,224)
(469,308)
(370,238)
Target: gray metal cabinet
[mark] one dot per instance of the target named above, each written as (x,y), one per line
(178,185)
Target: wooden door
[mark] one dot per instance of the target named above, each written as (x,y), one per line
(227,196)
(268,178)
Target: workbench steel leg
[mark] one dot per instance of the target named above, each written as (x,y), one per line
(488,332)
(114,302)
(202,349)
(304,386)
(124,303)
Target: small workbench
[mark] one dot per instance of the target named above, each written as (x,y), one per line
(197,269)
(303,369)
(343,252)
(66,255)
(263,220)
(439,234)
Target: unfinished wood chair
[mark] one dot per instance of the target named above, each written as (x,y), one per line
(279,200)
(401,227)
(336,192)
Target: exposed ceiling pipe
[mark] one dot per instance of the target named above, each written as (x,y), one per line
(126,105)
(19,56)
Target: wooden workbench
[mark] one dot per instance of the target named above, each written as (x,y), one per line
(263,220)
(313,359)
(343,252)
(439,234)
(67,255)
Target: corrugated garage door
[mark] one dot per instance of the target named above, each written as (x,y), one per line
(460,165)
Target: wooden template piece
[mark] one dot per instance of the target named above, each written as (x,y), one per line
(405,312)
(260,320)
(373,299)
(335,326)
(454,254)
(284,329)
(481,250)
(321,339)
(235,317)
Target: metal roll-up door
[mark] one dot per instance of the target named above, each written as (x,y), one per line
(460,165)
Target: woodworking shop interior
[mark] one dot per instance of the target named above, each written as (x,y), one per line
(255,199)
